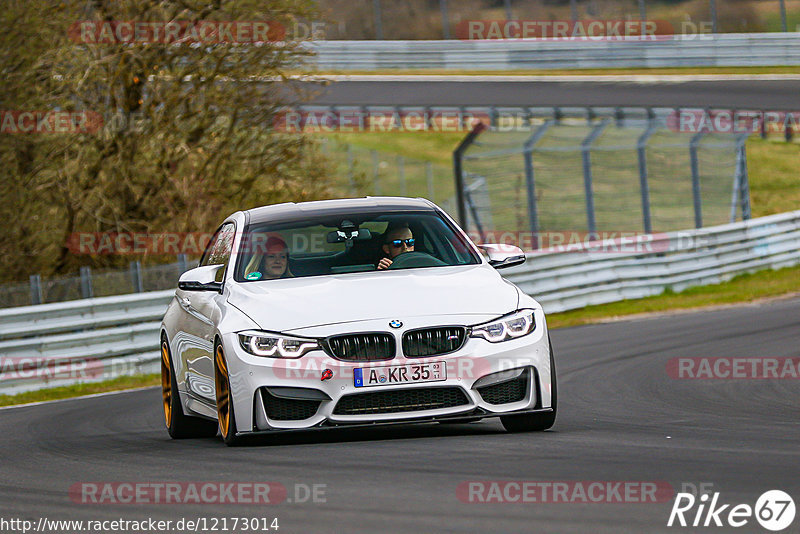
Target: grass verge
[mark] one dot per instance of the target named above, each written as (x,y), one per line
(79,390)
(743,288)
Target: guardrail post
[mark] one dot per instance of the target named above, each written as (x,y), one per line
(642,11)
(698,205)
(586,146)
(136,277)
(644,187)
(458,171)
(182,264)
(36,289)
(533,213)
(87,291)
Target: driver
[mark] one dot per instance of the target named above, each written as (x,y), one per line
(396,241)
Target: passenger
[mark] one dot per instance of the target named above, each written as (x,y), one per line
(273,263)
(396,241)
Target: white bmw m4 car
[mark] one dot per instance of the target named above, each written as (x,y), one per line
(351,312)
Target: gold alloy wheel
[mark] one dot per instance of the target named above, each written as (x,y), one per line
(166,383)
(223,393)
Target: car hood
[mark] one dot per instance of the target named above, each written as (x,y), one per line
(294,303)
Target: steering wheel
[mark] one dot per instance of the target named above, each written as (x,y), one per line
(415,259)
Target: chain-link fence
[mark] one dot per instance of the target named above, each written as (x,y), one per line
(601,176)
(359,171)
(90,283)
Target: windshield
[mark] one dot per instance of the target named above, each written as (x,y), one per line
(349,244)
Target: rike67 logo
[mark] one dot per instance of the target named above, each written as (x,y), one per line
(774,510)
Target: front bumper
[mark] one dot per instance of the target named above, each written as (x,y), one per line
(296,387)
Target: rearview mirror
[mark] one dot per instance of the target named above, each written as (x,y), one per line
(338,236)
(501,256)
(201,279)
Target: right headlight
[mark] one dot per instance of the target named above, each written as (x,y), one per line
(272,345)
(512,326)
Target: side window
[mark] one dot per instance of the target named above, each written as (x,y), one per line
(219,249)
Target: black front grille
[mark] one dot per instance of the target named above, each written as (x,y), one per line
(401,400)
(280,409)
(368,347)
(506,392)
(433,341)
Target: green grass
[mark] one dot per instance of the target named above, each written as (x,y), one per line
(772,166)
(79,390)
(742,288)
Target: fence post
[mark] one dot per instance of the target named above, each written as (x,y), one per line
(136,276)
(644,187)
(698,205)
(429,177)
(509,16)
(744,179)
(713,7)
(182,264)
(87,291)
(642,11)
(445,19)
(375,171)
(783,16)
(376,11)
(533,214)
(401,173)
(586,146)
(458,171)
(788,132)
(36,289)
(351,173)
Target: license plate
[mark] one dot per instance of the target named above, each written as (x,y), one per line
(399,374)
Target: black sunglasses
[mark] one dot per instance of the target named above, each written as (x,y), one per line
(399,242)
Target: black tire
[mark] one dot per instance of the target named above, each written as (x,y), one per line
(226,416)
(535,422)
(179,425)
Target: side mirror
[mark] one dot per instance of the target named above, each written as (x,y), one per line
(201,279)
(502,256)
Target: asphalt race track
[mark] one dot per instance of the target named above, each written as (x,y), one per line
(621,418)
(736,93)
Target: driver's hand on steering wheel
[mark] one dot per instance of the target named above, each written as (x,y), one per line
(384,264)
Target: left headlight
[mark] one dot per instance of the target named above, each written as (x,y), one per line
(512,326)
(273,345)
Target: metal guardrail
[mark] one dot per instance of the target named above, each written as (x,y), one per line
(720,50)
(563,281)
(114,336)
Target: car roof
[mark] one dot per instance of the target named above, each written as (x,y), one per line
(343,206)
